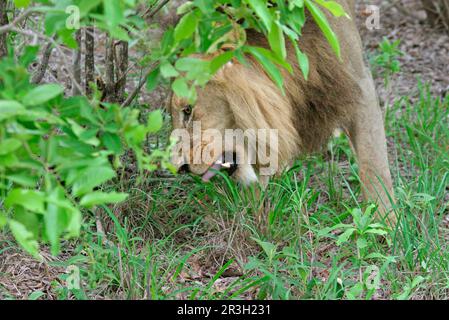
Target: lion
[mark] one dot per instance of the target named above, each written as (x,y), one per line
(338,94)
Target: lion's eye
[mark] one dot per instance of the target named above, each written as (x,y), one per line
(187,110)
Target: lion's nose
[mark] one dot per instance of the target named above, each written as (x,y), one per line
(185,168)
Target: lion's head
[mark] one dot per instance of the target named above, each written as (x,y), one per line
(241,123)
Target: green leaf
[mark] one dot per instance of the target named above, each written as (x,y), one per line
(417,281)
(260,7)
(113,11)
(10,108)
(25,238)
(181,88)
(185,7)
(189,64)
(303,61)
(9,145)
(155,121)
(74,223)
(269,67)
(86,6)
(335,8)
(53,225)
(97,198)
(186,26)
(168,71)
(324,25)
(90,178)
(112,142)
(22,3)
(67,37)
(355,292)
(153,79)
(23,178)
(42,94)
(273,58)
(344,237)
(377,231)
(36,295)
(268,248)
(362,243)
(277,41)
(295,3)
(220,60)
(31,200)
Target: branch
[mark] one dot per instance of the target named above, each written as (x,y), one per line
(16,21)
(151,13)
(30,33)
(142,81)
(39,75)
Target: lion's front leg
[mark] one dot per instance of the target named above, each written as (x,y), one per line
(367,136)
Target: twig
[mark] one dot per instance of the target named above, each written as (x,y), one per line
(142,81)
(16,21)
(55,44)
(151,13)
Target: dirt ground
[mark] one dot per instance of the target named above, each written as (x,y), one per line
(426,57)
(426,48)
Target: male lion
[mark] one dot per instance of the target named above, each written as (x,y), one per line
(338,94)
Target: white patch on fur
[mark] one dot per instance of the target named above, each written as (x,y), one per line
(245,174)
(337,133)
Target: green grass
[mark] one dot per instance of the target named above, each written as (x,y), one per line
(180,238)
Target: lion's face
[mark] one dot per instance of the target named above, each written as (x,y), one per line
(203,125)
(234,126)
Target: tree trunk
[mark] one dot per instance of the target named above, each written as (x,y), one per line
(77,65)
(121,70)
(116,66)
(109,88)
(3,22)
(89,63)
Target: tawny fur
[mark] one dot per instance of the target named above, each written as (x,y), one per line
(305,116)
(338,94)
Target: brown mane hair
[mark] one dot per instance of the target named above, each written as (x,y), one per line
(309,112)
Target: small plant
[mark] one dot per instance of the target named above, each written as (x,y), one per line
(57,153)
(282,271)
(362,234)
(386,62)
(411,285)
